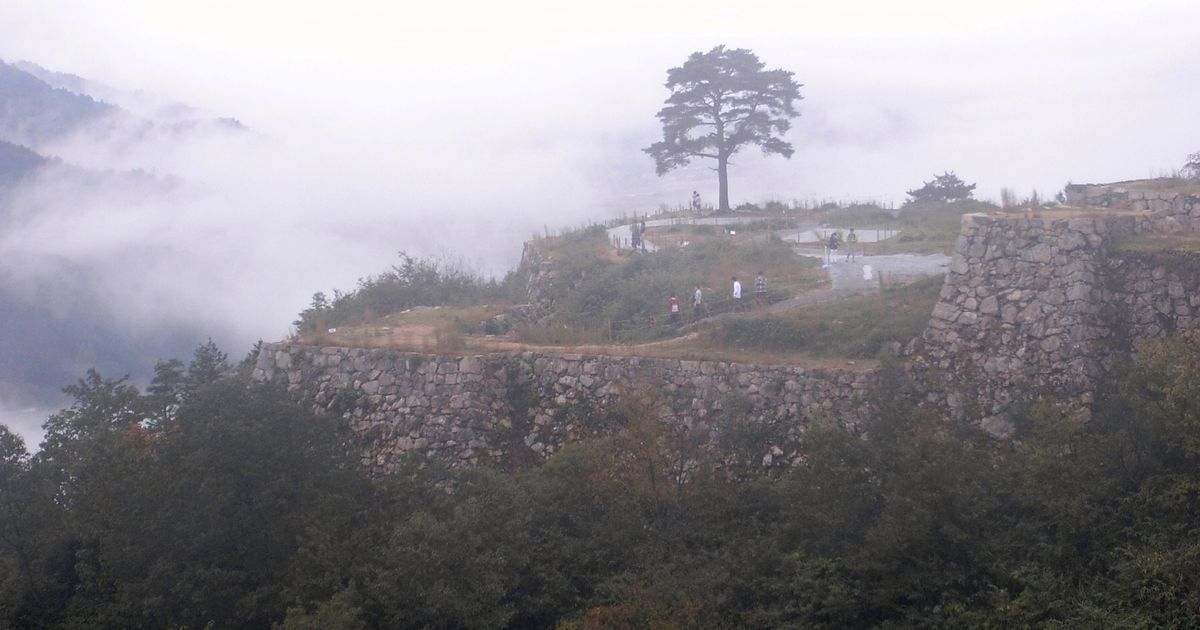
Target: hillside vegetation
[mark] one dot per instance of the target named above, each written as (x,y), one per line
(602,296)
(854,327)
(232,506)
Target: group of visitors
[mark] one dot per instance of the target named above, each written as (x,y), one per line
(700,307)
(760,293)
(835,241)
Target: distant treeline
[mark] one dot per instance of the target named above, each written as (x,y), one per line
(211,502)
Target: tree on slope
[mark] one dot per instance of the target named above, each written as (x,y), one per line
(720,102)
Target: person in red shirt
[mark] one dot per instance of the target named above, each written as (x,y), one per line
(673,309)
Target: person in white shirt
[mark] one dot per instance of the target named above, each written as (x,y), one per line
(737,294)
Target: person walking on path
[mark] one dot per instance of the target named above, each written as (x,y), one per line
(673,309)
(737,295)
(695,201)
(760,291)
(697,304)
(834,240)
(851,245)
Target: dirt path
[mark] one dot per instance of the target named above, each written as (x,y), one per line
(846,279)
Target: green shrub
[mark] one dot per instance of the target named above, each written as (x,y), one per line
(413,282)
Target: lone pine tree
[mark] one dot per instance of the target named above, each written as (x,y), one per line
(721,101)
(943,188)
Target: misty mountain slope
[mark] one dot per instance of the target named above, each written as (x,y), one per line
(80,242)
(17,162)
(52,332)
(164,112)
(52,111)
(33,112)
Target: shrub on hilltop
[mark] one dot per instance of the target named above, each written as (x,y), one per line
(1191,168)
(942,188)
(412,282)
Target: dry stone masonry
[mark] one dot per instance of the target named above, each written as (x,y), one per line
(509,407)
(1041,305)
(1170,209)
(1031,305)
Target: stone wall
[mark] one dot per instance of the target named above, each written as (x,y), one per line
(508,407)
(538,270)
(1035,305)
(1030,305)
(1151,295)
(1171,209)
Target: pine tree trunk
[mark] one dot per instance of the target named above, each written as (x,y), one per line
(723,183)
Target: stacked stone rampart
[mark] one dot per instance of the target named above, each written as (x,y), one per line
(508,407)
(1041,305)
(1151,295)
(1030,305)
(1170,209)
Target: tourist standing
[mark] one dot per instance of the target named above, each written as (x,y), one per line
(760,291)
(695,201)
(673,310)
(697,303)
(851,245)
(737,294)
(834,240)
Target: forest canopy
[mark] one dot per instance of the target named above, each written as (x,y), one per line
(208,501)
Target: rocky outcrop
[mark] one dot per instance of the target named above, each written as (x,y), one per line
(508,407)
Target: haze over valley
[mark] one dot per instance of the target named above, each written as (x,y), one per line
(166,178)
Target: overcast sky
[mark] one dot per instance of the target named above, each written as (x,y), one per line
(460,128)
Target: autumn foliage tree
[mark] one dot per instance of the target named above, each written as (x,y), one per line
(722,101)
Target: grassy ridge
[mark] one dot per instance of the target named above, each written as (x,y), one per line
(599,293)
(856,327)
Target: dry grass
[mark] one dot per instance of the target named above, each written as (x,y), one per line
(1149,243)
(1165,184)
(424,328)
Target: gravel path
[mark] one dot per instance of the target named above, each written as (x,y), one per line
(861,275)
(854,276)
